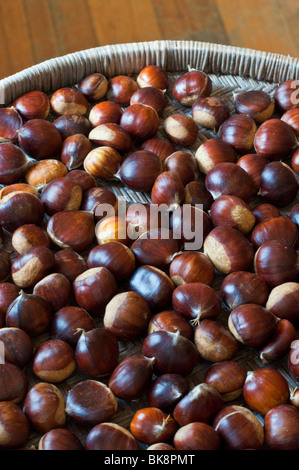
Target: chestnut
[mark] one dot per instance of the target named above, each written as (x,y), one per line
(102,162)
(150,96)
(53,361)
(74,150)
(228,178)
(283,301)
(265,211)
(140,170)
(229,250)
(69,263)
(127,315)
(291,117)
(94,86)
(170,320)
(281,425)
(110,436)
(242,287)
(105,112)
(11,188)
(97,352)
(252,324)
(295,161)
(173,353)
(72,229)
(280,342)
(256,103)
(56,289)
(112,135)
(197,193)
(232,211)
(8,293)
(72,124)
(191,266)
(191,85)
(284,95)
(166,391)
(210,112)
(143,216)
(94,288)
(140,121)
(20,208)
(39,138)
(59,439)
(115,256)
(279,228)
(253,164)
(153,75)
(10,123)
(239,428)
(32,266)
(28,236)
(18,346)
(61,195)
(43,172)
(168,189)
(15,426)
(112,229)
(151,425)
(13,164)
(131,377)
(201,404)
(278,184)
(264,389)
(214,151)
(160,446)
(154,285)
(14,383)
(44,407)
(160,146)
(33,105)
(68,322)
(183,164)
(276,263)
(196,301)
(97,199)
(69,100)
(275,139)
(5,265)
(196,436)
(181,129)
(214,341)
(120,89)
(227,377)
(90,402)
(83,179)
(239,131)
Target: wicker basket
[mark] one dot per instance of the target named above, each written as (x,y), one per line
(231,69)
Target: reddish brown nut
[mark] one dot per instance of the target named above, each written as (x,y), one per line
(166,391)
(197,193)
(160,146)
(20,208)
(160,446)
(91,402)
(110,436)
(115,256)
(14,425)
(151,425)
(181,129)
(279,228)
(295,161)
(72,229)
(232,211)
(230,179)
(170,320)
(53,361)
(239,131)
(74,150)
(28,236)
(127,315)
(285,95)
(111,135)
(101,201)
(105,112)
(191,85)
(150,96)
(265,211)
(278,184)
(120,89)
(44,406)
(280,343)
(140,170)
(140,121)
(264,389)
(97,352)
(69,263)
(112,229)
(275,139)
(93,86)
(39,138)
(212,152)
(8,293)
(34,104)
(242,287)
(183,164)
(32,266)
(291,117)
(94,288)
(13,384)
(154,285)
(214,341)
(72,124)
(68,322)
(153,75)
(103,162)
(283,301)
(191,266)
(201,404)
(256,103)
(238,428)
(143,216)
(13,163)
(69,100)
(253,164)
(45,171)
(59,439)
(190,225)
(5,265)
(11,188)
(227,377)
(281,425)
(56,289)
(210,112)
(196,436)
(10,124)
(18,346)
(131,377)
(168,189)
(62,194)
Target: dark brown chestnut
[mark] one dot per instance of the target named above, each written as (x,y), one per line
(33,104)
(168,189)
(154,285)
(228,178)
(210,112)
(214,151)
(140,121)
(68,322)
(83,179)
(196,436)
(232,211)
(72,229)
(256,103)
(265,211)
(8,293)
(59,195)
(94,86)
(275,139)
(69,100)
(291,117)
(214,341)
(20,208)
(151,425)
(167,390)
(281,425)
(239,131)
(227,377)
(171,320)
(150,96)
(56,289)
(196,193)
(69,263)
(279,228)
(101,201)
(283,301)
(5,265)
(39,138)
(140,170)
(285,95)
(280,342)
(53,361)
(242,287)
(14,383)
(191,266)
(115,256)
(153,75)
(59,439)
(27,236)
(74,150)
(72,124)
(18,346)
(295,161)
(183,164)
(15,426)
(181,129)
(160,146)
(191,85)
(253,164)
(32,266)
(105,112)
(120,89)
(10,123)
(278,184)
(13,163)
(110,436)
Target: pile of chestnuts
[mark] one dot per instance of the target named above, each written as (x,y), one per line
(99,310)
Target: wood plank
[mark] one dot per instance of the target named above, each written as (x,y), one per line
(291,13)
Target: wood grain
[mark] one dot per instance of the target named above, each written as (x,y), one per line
(36,30)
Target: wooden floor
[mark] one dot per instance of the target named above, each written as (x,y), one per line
(35,30)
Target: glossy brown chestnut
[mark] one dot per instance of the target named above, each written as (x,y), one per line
(8,293)
(239,131)
(168,189)
(173,353)
(74,150)
(72,124)
(115,256)
(56,289)
(239,428)
(59,195)
(102,162)
(283,301)
(214,341)
(39,138)
(127,315)
(227,377)
(32,266)
(91,402)
(72,229)
(153,75)
(141,217)
(33,105)
(15,426)
(265,211)
(281,229)
(140,170)
(191,85)
(150,96)
(232,211)
(43,172)
(140,121)
(5,265)
(183,164)
(69,100)
(154,285)
(59,439)
(275,139)
(20,208)
(69,263)
(229,250)
(101,201)
(256,103)
(196,301)
(230,179)
(253,164)
(291,117)
(151,425)
(44,406)
(278,184)
(27,236)
(285,95)
(83,179)
(94,288)
(295,161)
(53,361)
(252,324)
(181,129)
(214,151)
(110,436)
(13,383)
(11,188)
(160,146)
(166,391)
(68,322)
(131,377)
(280,342)
(264,389)
(197,194)
(196,436)
(10,123)
(94,86)
(13,163)
(191,266)
(120,89)
(112,229)
(210,112)
(112,135)
(105,112)
(242,287)
(170,320)
(281,425)
(18,346)
(97,352)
